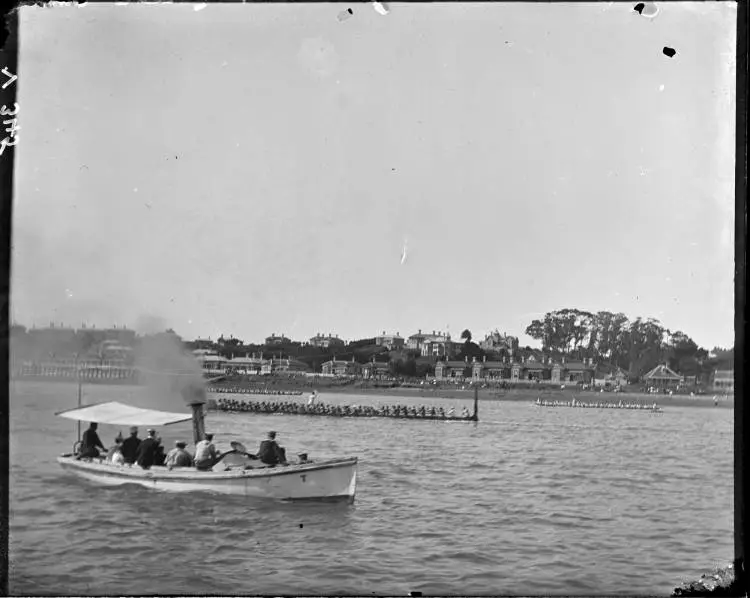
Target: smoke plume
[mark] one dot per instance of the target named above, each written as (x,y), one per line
(169,372)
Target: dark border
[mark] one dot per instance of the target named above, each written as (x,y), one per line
(9,41)
(740,291)
(8,60)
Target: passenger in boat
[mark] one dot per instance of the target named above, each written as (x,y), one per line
(270,452)
(145,456)
(159,454)
(115,454)
(90,443)
(130,445)
(205,453)
(178,456)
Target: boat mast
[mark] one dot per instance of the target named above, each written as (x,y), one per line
(195,396)
(78,379)
(475,417)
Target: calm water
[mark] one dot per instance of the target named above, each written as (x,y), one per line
(528,501)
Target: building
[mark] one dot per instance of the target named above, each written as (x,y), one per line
(375,370)
(202,343)
(124,336)
(611,376)
(496,342)
(211,362)
(326,342)
(277,340)
(393,342)
(723,381)
(489,370)
(113,351)
(437,344)
(573,372)
(662,378)
(244,365)
(290,366)
(448,370)
(339,367)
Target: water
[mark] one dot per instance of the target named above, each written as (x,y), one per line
(529,501)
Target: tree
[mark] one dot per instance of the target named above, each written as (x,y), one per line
(466,335)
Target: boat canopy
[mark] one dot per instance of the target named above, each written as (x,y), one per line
(124,415)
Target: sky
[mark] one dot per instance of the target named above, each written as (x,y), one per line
(258,169)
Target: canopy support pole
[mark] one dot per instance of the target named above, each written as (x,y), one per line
(475,417)
(78,376)
(199,429)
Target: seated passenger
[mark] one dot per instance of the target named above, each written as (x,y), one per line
(205,453)
(178,456)
(116,456)
(90,443)
(159,454)
(270,452)
(146,453)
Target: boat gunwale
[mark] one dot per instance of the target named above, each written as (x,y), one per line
(193,474)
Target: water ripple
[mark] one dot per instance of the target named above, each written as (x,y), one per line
(555,501)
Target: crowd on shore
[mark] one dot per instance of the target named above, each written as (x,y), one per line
(323,409)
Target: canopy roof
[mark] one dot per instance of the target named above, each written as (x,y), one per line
(124,415)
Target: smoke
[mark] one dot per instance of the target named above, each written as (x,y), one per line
(169,372)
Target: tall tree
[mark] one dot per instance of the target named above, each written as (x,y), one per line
(466,335)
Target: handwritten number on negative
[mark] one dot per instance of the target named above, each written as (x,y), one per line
(5,112)
(7,142)
(11,76)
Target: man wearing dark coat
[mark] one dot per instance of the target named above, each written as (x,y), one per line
(130,445)
(270,452)
(90,443)
(146,453)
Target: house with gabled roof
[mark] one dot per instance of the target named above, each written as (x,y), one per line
(393,342)
(340,367)
(489,370)
(662,377)
(446,370)
(375,369)
(573,372)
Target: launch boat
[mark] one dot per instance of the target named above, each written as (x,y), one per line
(235,473)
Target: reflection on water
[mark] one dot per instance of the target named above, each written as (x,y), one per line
(529,501)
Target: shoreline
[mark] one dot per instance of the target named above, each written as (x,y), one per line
(499,395)
(429,392)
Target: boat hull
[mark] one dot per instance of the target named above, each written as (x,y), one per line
(326,480)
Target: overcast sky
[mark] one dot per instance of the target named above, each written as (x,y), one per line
(249,169)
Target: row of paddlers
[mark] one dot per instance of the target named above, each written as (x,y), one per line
(91,373)
(253,391)
(292,408)
(603,405)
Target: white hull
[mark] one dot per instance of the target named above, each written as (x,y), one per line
(335,479)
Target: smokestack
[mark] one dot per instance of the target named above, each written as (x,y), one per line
(199,430)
